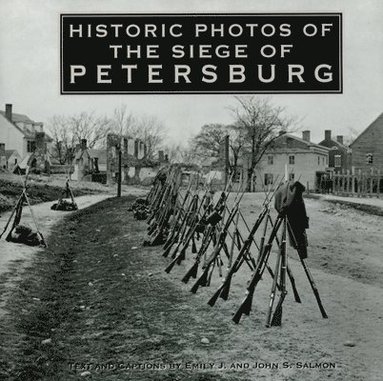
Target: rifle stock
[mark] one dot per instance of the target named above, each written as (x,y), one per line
(244,308)
(224,289)
(167,251)
(246,305)
(314,288)
(201,281)
(309,276)
(293,286)
(215,297)
(277,317)
(170,265)
(181,256)
(192,273)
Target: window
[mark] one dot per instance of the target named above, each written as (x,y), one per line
(337,161)
(31,146)
(292,160)
(268,178)
(270,159)
(125,145)
(291,176)
(15,161)
(318,160)
(369,158)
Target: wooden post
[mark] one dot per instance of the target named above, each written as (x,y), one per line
(226,160)
(378,184)
(359,182)
(119,180)
(335,184)
(372,182)
(348,182)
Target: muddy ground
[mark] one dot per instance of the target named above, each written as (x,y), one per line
(96,303)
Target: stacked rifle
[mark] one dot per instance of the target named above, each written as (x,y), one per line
(66,199)
(162,204)
(17,232)
(211,232)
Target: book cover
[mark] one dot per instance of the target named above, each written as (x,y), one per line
(231,149)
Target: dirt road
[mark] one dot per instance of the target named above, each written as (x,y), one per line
(45,219)
(100,306)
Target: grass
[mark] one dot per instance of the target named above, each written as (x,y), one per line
(97,300)
(11,190)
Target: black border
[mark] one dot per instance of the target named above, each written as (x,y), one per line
(339,91)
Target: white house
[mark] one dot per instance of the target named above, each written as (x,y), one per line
(304,161)
(12,159)
(18,132)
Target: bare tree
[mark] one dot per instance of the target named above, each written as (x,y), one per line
(262,122)
(90,127)
(123,122)
(68,131)
(151,131)
(237,144)
(63,139)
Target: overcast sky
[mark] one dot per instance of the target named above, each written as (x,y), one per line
(29,66)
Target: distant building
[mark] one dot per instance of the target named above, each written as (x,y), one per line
(339,155)
(305,161)
(135,161)
(3,157)
(18,132)
(367,148)
(83,162)
(133,153)
(101,165)
(12,159)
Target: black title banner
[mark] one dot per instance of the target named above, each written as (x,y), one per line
(201,53)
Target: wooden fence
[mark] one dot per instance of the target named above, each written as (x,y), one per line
(357,184)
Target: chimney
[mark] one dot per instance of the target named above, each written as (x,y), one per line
(95,162)
(306,135)
(339,139)
(40,141)
(83,144)
(40,127)
(327,135)
(8,111)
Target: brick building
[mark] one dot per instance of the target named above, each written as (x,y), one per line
(339,156)
(367,148)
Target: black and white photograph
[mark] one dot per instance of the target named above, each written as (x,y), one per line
(191,190)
